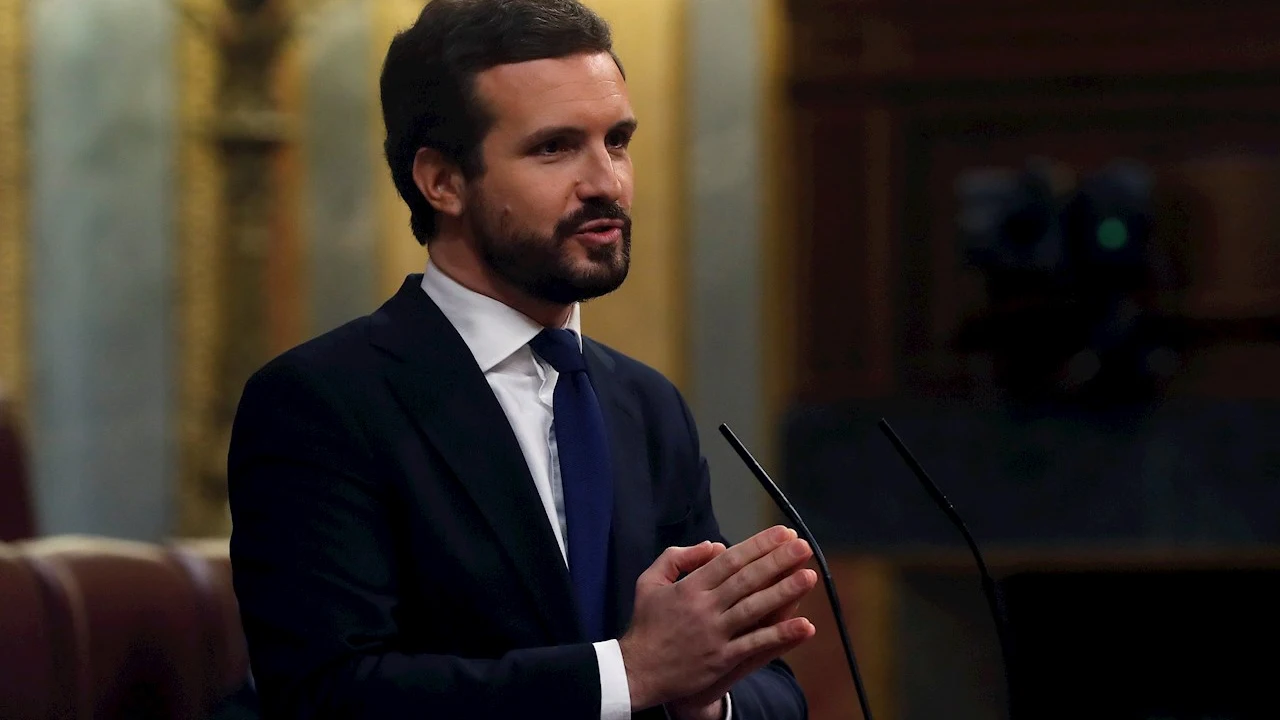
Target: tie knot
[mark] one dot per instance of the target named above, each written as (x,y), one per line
(560,349)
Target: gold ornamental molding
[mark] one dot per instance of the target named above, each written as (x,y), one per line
(199,240)
(232,134)
(14,193)
(237,165)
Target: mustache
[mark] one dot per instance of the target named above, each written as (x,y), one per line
(592,210)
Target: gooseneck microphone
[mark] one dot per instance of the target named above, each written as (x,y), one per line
(989,588)
(781,500)
(992,592)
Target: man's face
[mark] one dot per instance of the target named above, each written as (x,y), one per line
(551,213)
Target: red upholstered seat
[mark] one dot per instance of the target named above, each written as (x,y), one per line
(38,653)
(137,615)
(118,629)
(227,662)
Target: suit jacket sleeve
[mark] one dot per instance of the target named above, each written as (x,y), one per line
(771,692)
(313,553)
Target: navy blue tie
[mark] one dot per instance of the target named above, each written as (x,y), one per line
(585,474)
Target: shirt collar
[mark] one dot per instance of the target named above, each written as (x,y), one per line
(492,330)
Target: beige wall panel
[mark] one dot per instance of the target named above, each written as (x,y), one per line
(14,189)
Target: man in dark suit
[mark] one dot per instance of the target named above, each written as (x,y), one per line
(458,506)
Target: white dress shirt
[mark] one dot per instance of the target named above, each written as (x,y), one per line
(524,384)
(498,336)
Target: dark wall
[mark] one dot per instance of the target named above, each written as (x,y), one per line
(1065,403)
(897,103)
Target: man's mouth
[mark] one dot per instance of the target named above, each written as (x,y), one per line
(601,232)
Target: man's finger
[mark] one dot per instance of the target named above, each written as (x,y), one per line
(770,639)
(676,561)
(755,662)
(749,612)
(778,616)
(711,575)
(763,572)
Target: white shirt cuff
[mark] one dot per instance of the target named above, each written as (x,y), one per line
(728,706)
(615,693)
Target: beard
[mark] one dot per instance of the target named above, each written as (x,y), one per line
(539,265)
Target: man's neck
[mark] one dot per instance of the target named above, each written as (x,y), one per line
(453,258)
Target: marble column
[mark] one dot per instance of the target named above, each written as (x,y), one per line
(726,268)
(101,284)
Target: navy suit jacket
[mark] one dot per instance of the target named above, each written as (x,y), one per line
(390,554)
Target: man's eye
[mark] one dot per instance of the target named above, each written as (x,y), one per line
(552,147)
(619,140)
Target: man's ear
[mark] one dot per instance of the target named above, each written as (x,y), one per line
(440,181)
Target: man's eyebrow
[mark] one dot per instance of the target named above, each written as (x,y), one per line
(550,133)
(572,131)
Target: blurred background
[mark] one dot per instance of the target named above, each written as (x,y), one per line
(1041,239)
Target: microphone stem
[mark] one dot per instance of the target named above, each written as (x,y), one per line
(780,499)
(996,601)
(990,589)
(836,610)
(830,586)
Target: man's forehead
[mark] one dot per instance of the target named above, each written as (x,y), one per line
(527,87)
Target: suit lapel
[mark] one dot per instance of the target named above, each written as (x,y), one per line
(632,535)
(435,376)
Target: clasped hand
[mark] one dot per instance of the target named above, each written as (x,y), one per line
(692,638)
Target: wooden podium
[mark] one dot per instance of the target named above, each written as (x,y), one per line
(927,646)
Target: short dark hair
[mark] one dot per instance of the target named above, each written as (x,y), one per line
(428,78)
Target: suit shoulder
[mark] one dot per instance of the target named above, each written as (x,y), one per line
(635,372)
(337,355)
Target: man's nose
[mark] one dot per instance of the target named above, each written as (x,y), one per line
(600,177)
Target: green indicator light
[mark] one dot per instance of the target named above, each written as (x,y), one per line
(1112,234)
